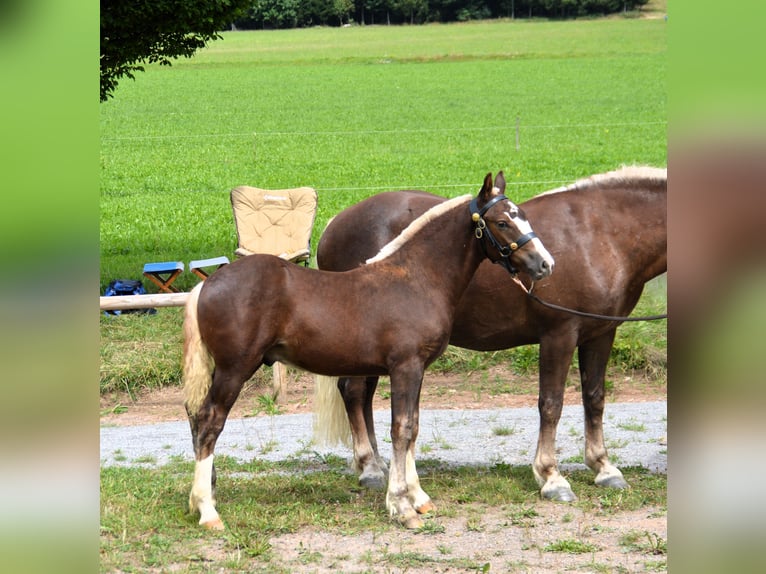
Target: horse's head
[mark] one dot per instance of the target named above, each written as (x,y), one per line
(505,233)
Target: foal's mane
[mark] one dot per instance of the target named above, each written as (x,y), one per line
(416,225)
(627,176)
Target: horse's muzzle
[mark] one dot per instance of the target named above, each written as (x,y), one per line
(540,268)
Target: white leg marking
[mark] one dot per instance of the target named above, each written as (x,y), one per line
(416,494)
(202,492)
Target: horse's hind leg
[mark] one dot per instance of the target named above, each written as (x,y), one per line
(369,394)
(593,357)
(357,396)
(206,425)
(555,357)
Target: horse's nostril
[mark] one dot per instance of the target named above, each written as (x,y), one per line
(546,265)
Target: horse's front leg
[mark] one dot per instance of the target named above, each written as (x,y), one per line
(357,396)
(404,494)
(206,425)
(555,358)
(593,357)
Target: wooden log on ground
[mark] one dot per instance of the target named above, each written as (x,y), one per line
(122,302)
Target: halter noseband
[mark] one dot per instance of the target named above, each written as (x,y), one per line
(477,215)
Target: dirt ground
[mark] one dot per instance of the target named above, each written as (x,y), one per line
(503,539)
(440,391)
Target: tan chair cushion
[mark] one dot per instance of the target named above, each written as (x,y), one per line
(274,221)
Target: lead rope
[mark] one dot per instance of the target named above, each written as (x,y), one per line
(534,297)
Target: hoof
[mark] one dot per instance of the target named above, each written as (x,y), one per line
(560,494)
(413,523)
(216,524)
(373,482)
(426,508)
(613,482)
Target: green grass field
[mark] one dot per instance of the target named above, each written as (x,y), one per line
(360,110)
(352,112)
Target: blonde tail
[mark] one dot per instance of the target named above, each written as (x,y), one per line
(330,418)
(197,362)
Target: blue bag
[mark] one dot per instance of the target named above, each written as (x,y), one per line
(126,287)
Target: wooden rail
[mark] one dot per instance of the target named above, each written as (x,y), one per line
(122,302)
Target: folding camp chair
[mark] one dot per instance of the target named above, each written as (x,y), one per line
(163,274)
(278,222)
(199,266)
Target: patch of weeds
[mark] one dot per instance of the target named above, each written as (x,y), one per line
(444,549)
(474,524)
(406,560)
(249,543)
(616,444)
(567,518)
(644,541)
(525,359)
(604,568)
(119,456)
(632,425)
(656,566)
(267,404)
(331,461)
(504,431)
(147,458)
(384,389)
(576,459)
(569,546)
(305,447)
(268,446)
(431,527)
(426,448)
(443,444)
(306,556)
(117,409)
(523,516)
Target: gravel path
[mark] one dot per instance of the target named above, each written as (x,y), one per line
(634,432)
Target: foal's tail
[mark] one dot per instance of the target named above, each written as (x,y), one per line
(197,362)
(330,418)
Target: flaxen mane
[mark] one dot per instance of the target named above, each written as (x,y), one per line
(632,175)
(418,224)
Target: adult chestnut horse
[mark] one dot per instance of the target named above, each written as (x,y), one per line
(390,317)
(608,234)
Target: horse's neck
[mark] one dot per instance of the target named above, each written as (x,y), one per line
(444,253)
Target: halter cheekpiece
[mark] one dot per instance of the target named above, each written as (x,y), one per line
(477,215)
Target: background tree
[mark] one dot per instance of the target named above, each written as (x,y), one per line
(342,9)
(134,32)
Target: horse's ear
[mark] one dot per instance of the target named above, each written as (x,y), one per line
(500,181)
(486,189)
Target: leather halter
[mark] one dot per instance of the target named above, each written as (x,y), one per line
(477,215)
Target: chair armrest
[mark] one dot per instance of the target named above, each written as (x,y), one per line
(296,255)
(242,252)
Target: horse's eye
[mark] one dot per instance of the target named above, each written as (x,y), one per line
(502,224)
